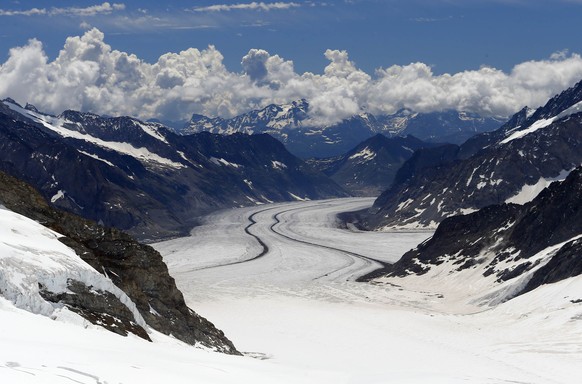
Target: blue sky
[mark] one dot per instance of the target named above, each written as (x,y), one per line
(447,36)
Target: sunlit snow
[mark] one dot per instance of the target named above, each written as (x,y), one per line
(542,123)
(365,154)
(56,125)
(300,317)
(529,192)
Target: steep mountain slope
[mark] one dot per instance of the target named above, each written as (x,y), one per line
(503,250)
(369,168)
(143,178)
(292,125)
(511,164)
(101,274)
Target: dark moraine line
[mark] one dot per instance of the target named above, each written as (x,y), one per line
(384,265)
(259,240)
(265,247)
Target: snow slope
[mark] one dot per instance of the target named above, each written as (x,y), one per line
(36,349)
(57,125)
(286,307)
(300,317)
(31,256)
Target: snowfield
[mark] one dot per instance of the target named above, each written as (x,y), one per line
(299,305)
(280,281)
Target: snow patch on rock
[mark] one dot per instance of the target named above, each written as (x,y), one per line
(31,257)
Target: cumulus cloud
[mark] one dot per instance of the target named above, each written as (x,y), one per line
(93,10)
(266,70)
(255,64)
(89,75)
(261,6)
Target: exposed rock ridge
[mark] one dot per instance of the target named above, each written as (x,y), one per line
(492,168)
(540,240)
(135,268)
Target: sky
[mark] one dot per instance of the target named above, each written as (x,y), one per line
(170,59)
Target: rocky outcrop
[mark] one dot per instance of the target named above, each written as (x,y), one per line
(529,151)
(135,268)
(370,167)
(540,240)
(100,307)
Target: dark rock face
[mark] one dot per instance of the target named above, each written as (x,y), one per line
(335,140)
(566,263)
(291,125)
(141,177)
(504,238)
(370,167)
(99,307)
(488,169)
(136,269)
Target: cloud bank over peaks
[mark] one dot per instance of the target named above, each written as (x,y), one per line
(89,75)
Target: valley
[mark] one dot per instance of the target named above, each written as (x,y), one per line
(277,267)
(291,192)
(299,304)
(280,280)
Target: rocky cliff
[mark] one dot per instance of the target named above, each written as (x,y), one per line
(136,269)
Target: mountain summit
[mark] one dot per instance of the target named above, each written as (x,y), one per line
(293,125)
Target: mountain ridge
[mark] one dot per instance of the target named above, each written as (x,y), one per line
(306,138)
(142,177)
(370,167)
(508,164)
(513,248)
(138,270)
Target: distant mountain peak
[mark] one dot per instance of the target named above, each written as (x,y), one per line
(292,124)
(30,107)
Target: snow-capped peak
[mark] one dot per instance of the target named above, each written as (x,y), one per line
(559,107)
(67,128)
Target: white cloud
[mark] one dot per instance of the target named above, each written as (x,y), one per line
(28,12)
(99,9)
(105,8)
(261,6)
(89,75)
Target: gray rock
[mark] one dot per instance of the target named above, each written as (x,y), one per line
(135,268)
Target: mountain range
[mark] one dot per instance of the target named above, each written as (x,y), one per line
(142,177)
(304,137)
(501,251)
(511,164)
(505,204)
